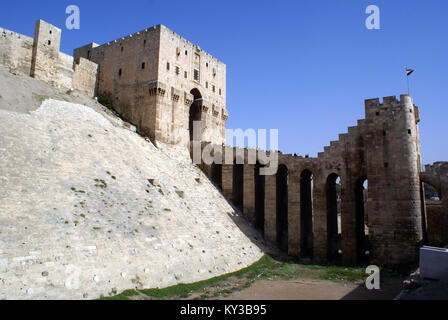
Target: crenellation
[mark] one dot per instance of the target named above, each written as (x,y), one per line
(390,100)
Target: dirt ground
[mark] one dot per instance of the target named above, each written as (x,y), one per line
(314,289)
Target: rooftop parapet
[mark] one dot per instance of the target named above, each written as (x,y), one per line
(375,102)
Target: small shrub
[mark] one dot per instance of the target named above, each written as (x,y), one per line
(106,101)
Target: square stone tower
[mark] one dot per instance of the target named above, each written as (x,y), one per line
(45,58)
(161,83)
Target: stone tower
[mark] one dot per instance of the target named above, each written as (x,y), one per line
(160,82)
(392,167)
(47,41)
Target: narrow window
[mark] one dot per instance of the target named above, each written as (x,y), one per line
(186,52)
(50,32)
(119,73)
(185,74)
(49,42)
(144,43)
(143,65)
(167,66)
(206,84)
(220,92)
(409,131)
(213,88)
(196,74)
(177,70)
(122,49)
(206,64)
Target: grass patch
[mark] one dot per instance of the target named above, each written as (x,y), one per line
(106,101)
(267,267)
(40,98)
(341,273)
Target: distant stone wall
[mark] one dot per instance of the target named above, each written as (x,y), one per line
(84,76)
(41,58)
(65,71)
(16,51)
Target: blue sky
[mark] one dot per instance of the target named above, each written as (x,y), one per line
(304,67)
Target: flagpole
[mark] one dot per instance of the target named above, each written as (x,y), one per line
(407,78)
(408,73)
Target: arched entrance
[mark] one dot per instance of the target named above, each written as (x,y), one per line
(306,214)
(195,115)
(282,207)
(362,230)
(333,192)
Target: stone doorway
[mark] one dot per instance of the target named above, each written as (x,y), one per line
(195,115)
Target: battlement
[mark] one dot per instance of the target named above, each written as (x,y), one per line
(8,34)
(158,28)
(375,102)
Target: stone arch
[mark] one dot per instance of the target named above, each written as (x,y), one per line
(195,114)
(361,227)
(260,182)
(334,229)
(282,207)
(432,190)
(306,214)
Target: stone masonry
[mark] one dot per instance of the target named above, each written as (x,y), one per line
(359,201)
(160,82)
(380,225)
(40,58)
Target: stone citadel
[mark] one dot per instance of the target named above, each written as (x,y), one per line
(161,83)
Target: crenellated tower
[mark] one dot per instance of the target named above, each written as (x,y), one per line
(393,165)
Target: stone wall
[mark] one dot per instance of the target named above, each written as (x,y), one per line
(381,225)
(84,76)
(90,208)
(41,58)
(16,51)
